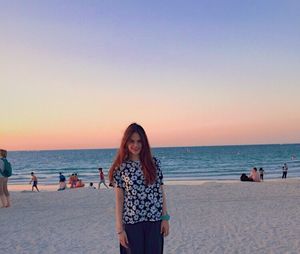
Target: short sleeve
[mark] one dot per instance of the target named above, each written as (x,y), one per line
(159,172)
(118,179)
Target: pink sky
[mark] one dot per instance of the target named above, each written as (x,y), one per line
(193,75)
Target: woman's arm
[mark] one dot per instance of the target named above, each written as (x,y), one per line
(165,228)
(119,217)
(164,208)
(119,209)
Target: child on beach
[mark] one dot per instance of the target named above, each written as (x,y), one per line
(79,183)
(102,179)
(261,174)
(4,194)
(141,211)
(92,186)
(62,182)
(34,182)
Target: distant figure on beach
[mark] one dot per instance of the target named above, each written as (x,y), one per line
(141,211)
(102,179)
(284,170)
(244,178)
(261,173)
(79,183)
(62,178)
(62,186)
(34,181)
(62,182)
(5,167)
(254,176)
(92,186)
(73,180)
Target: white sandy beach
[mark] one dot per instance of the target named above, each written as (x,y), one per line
(207,217)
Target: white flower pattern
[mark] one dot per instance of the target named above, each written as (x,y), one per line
(141,202)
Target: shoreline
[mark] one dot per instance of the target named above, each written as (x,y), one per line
(53,187)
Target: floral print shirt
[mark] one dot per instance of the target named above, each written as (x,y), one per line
(141,202)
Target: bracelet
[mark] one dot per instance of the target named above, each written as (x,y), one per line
(165,217)
(120,231)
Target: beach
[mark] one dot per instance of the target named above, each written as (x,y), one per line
(206,217)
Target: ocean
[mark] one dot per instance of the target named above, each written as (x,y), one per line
(178,163)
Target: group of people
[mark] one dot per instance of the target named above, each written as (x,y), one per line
(142,220)
(258,176)
(75,182)
(102,180)
(254,176)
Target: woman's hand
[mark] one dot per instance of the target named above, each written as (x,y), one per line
(164,228)
(123,239)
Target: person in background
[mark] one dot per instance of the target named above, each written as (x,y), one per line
(79,183)
(102,179)
(4,194)
(254,176)
(73,180)
(70,182)
(62,178)
(141,214)
(261,173)
(284,170)
(62,182)
(92,186)
(245,178)
(34,181)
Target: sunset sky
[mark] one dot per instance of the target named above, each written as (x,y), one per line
(75,74)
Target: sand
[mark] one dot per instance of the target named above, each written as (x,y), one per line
(206,217)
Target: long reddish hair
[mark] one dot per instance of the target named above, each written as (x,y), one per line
(148,167)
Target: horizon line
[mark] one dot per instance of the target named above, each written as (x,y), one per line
(154,147)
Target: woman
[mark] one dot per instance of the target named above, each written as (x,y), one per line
(4,194)
(254,176)
(141,210)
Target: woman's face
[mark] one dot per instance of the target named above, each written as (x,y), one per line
(134,145)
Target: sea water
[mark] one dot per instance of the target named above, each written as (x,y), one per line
(181,163)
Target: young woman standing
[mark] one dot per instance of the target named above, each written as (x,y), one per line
(142,220)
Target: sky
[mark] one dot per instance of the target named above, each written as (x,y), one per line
(75,74)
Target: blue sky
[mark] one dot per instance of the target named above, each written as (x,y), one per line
(203,66)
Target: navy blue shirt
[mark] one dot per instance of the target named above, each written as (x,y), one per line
(62,178)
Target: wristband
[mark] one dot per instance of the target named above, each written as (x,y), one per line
(165,217)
